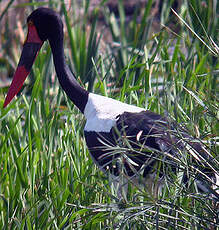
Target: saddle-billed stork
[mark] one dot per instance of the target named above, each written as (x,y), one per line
(122,139)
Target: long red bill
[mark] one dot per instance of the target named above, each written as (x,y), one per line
(30,50)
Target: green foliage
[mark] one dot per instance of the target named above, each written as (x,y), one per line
(48,179)
(83,50)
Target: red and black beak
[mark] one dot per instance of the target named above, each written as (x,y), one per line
(30,50)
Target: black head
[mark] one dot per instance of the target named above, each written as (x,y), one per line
(47,22)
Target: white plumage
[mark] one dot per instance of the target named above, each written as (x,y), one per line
(101,112)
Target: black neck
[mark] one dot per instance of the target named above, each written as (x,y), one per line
(74,91)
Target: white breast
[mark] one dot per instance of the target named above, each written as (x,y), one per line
(101,112)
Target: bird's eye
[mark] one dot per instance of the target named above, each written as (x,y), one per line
(30,23)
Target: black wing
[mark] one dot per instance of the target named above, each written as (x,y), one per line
(144,142)
(125,141)
(148,135)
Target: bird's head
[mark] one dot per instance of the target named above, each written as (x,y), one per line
(43,24)
(47,22)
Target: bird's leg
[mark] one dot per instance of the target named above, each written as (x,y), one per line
(122,187)
(119,186)
(153,185)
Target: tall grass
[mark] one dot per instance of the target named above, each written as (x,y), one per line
(47,178)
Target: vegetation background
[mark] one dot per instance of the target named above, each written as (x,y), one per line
(143,54)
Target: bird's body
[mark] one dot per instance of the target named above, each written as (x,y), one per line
(121,138)
(109,122)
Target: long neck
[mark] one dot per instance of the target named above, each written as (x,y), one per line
(74,91)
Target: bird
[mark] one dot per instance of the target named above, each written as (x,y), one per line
(124,141)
